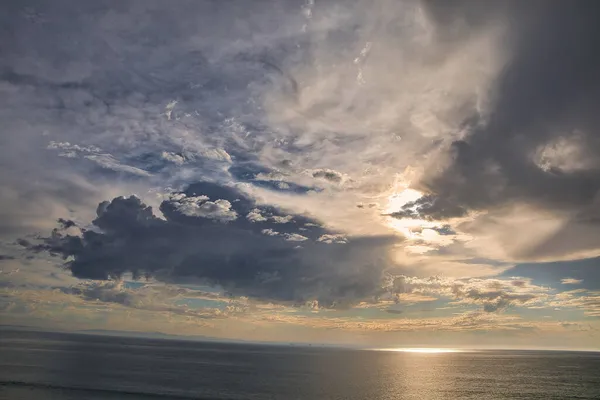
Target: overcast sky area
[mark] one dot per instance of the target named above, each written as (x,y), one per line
(373,173)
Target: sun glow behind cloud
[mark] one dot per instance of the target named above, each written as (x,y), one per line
(413,229)
(406,226)
(397,200)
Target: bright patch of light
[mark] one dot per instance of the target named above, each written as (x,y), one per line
(567,153)
(426,350)
(414,228)
(398,200)
(409,227)
(419,249)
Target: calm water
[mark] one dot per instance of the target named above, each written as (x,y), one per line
(37,365)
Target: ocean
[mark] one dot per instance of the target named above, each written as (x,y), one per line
(59,366)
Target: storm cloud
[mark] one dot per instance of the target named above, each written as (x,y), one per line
(284,257)
(538,140)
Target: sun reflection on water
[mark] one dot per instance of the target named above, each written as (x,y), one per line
(426,350)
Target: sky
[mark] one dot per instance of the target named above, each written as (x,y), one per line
(383,173)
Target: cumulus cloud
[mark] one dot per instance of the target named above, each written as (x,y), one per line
(187,244)
(294,237)
(328,238)
(494,295)
(266,214)
(282,220)
(587,301)
(290,237)
(173,157)
(270,232)
(256,216)
(201,206)
(491,294)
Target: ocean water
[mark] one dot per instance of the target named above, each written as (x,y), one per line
(36,365)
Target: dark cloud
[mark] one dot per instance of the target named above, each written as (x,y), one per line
(539,143)
(430,207)
(445,230)
(328,174)
(234,253)
(66,223)
(392,311)
(4,257)
(23,242)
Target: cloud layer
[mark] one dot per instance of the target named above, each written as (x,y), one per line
(321,154)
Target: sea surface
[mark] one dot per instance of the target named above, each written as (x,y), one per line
(37,365)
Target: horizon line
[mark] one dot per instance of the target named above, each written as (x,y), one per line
(415,348)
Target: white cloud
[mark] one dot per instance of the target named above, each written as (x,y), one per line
(294,237)
(492,294)
(255,216)
(282,220)
(68,147)
(201,206)
(587,301)
(566,153)
(333,238)
(169,108)
(290,237)
(173,157)
(109,162)
(571,281)
(217,155)
(95,154)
